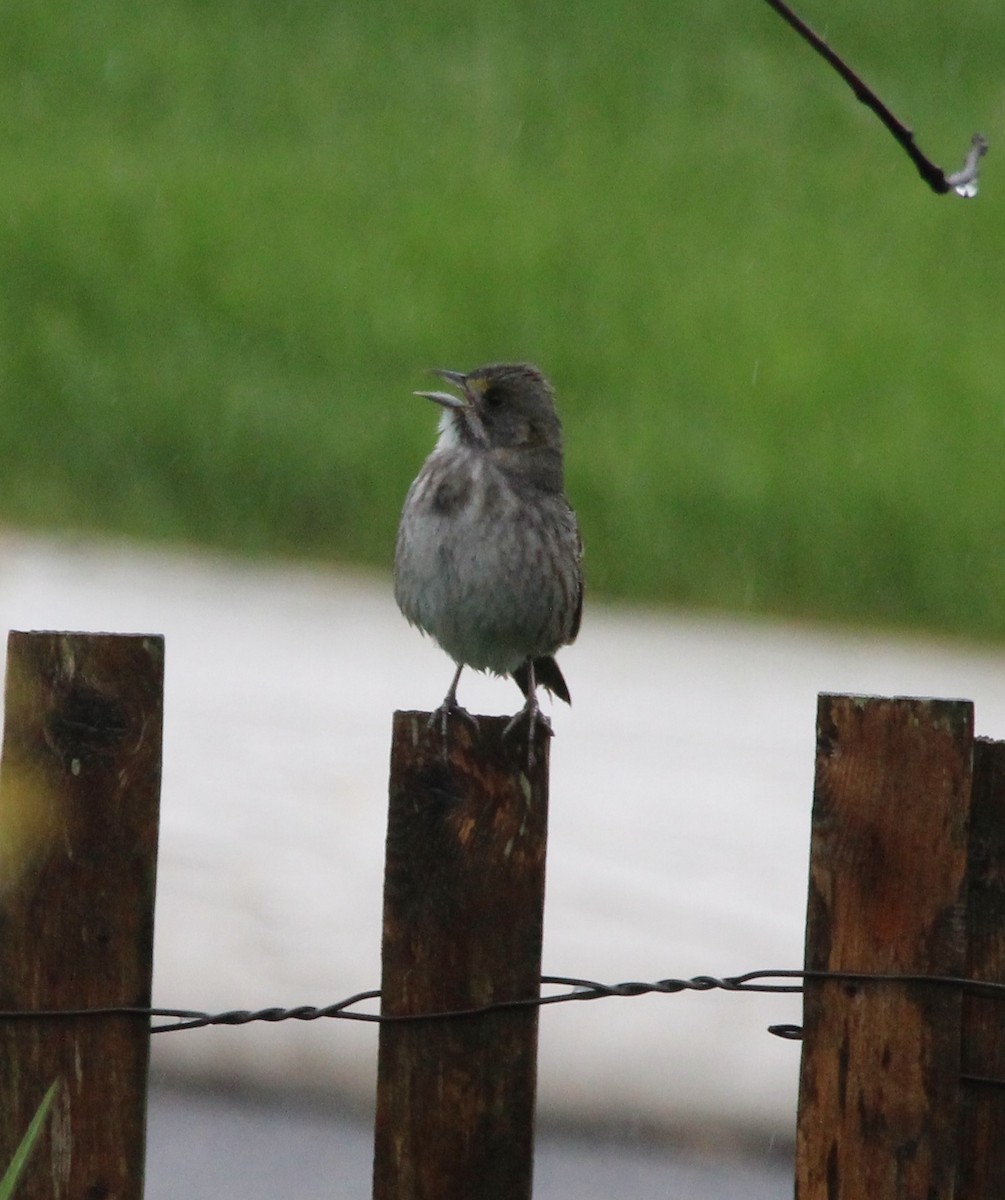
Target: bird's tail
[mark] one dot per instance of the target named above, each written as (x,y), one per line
(546,673)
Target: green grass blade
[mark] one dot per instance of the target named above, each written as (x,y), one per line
(21,1155)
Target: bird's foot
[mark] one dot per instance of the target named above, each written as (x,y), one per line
(448,711)
(532,716)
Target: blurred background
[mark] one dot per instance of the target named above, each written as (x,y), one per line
(233,236)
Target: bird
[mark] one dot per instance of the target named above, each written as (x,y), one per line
(488,557)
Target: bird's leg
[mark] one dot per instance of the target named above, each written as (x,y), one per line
(531,713)
(450,708)
(450,700)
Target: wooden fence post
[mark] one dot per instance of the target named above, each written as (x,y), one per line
(79,792)
(879,1090)
(981,1171)
(463,911)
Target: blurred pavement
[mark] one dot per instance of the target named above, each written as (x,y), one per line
(212,1146)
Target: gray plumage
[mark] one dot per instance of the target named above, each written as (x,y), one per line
(488,556)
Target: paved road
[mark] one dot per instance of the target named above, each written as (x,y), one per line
(206,1146)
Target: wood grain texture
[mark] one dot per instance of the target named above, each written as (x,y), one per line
(982,1117)
(879,1088)
(463,913)
(79,799)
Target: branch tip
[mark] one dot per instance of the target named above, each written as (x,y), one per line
(964,181)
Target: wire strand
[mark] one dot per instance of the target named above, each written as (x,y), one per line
(761,981)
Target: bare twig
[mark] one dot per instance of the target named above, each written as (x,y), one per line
(963,182)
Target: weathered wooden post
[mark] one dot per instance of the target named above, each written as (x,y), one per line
(981,1156)
(880,1087)
(903,1080)
(463,912)
(79,793)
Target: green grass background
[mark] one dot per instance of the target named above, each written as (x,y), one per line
(234,234)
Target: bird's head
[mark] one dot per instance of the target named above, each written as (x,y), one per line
(508,408)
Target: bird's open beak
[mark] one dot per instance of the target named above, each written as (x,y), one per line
(457,378)
(447,399)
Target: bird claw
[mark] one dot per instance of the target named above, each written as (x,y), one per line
(532,715)
(443,715)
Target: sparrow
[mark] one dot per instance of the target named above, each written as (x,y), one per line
(488,559)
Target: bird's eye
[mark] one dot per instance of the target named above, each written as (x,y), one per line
(492,395)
